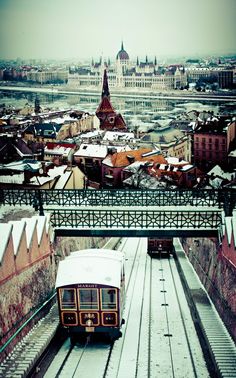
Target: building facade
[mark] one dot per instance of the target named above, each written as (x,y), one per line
(212,142)
(124,74)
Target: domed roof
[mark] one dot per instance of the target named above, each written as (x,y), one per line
(122,54)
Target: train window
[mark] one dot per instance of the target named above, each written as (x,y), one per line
(88,299)
(109,299)
(67,299)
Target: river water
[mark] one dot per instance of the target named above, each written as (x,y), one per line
(138,111)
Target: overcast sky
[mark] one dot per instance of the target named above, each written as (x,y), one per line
(89,28)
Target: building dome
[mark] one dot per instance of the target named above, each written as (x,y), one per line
(122,54)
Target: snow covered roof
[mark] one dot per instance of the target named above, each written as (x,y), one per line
(91,267)
(5,232)
(92,150)
(30,227)
(175,161)
(57,171)
(118,135)
(22,165)
(230,228)
(186,167)
(232,153)
(217,171)
(41,224)
(62,120)
(52,174)
(17,231)
(58,150)
(13,178)
(63,180)
(91,134)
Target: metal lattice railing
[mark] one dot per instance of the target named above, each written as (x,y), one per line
(143,219)
(119,197)
(115,208)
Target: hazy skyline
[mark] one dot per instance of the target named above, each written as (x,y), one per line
(66,29)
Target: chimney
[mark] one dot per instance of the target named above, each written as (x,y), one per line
(130,158)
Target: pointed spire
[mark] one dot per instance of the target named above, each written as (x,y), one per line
(105,88)
(137,63)
(155,61)
(122,45)
(36,105)
(146,59)
(92,62)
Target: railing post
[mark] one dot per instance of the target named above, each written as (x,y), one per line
(38,203)
(1,197)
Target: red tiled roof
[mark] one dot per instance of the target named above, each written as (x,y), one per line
(120,159)
(105,106)
(119,122)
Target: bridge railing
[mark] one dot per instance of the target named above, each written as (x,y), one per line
(225,198)
(134,218)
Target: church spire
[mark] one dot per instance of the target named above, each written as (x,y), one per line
(36,105)
(105,88)
(122,45)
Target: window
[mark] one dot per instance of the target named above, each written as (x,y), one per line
(88,161)
(67,299)
(109,298)
(88,299)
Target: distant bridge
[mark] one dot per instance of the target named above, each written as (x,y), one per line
(120,212)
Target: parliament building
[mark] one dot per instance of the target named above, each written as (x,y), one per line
(126,74)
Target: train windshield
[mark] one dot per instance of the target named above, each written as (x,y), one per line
(67,299)
(88,299)
(109,299)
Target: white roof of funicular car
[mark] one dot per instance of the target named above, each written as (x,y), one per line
(91,266)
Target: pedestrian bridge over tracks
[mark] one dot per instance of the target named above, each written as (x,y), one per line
(129,212)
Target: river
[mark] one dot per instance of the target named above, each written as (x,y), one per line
(144,110)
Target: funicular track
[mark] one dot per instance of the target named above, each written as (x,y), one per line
(156,334)
(159,337)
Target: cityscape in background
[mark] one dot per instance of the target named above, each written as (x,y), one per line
(155,122)
(148,74)
(198,132)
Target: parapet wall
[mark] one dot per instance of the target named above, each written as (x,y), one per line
(23,243)
(27,270)
(28,266)
(215,263)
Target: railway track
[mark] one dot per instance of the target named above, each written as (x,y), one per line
(159,337)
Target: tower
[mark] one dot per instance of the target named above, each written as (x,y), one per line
(109,119)
(36,105)
(105,88)
(122,59)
